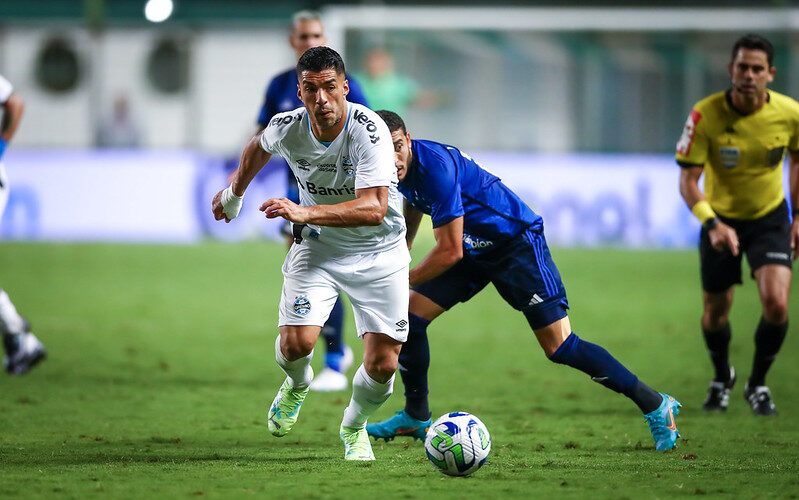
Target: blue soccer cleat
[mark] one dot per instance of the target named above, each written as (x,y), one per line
(401,424)
(662,423)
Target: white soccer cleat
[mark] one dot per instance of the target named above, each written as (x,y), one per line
(23,354)
(356,444)
(329,380)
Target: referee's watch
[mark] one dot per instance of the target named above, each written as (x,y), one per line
(711,223)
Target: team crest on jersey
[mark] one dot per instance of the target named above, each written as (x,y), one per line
(729,157)
(302,305)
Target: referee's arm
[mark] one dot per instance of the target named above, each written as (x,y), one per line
(722,237)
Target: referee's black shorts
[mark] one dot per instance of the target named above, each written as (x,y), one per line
(766,240)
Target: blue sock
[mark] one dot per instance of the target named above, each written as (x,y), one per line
(414,360)
(605,369)
(332,334)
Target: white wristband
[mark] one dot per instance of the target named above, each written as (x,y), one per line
(231,204)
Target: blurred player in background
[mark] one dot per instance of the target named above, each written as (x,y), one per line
(281,95)
(23,349)
(387,89)
(349,234)
(738,138)
(486,234)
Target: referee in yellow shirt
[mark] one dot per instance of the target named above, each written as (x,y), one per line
(738,139)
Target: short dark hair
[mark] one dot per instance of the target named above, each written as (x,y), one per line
(318,59)
(754,42)
(393,120)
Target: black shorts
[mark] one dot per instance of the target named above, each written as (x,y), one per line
(766,240)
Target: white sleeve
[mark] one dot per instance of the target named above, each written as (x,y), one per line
(374,154)
(270,139)
(5,90)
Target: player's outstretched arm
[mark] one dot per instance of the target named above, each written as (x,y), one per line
(227,202)
(367,209)
(447,252)
(793,182)
(721,235)
(413,218)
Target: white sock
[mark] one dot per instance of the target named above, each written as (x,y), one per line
(298,371)
(367,396)
(10,320)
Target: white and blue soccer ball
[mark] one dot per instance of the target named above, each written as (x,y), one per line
(457,444)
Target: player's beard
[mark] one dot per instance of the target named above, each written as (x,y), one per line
(323,123)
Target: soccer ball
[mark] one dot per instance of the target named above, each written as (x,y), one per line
(457,444)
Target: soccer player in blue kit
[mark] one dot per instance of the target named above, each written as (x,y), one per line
(486,234)
(307,31)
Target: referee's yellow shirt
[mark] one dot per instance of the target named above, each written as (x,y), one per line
(742,154)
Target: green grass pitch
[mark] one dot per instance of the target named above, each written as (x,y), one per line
(161,364)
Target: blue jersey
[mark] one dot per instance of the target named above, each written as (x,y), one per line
(281,96)
(446,184)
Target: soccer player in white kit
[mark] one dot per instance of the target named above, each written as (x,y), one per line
(23,349)
(350,233)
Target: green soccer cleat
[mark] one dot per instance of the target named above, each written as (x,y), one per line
(285,408)
(356,443)
(401,424)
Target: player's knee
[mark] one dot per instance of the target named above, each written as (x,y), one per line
(775,308)
(715,317)
(296,347)
(380,368)
(714,322)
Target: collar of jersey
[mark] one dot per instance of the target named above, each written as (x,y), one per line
(731,106)
(327,144)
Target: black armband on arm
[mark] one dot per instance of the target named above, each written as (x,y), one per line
(685,164)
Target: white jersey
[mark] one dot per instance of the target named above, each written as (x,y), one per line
(362,156)
(5,89)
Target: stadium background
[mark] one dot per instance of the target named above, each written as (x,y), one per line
(533,90)
(153,384)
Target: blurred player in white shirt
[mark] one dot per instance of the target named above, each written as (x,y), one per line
(23,349)
(349,233)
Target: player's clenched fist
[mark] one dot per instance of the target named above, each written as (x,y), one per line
(226,204)
(283,207)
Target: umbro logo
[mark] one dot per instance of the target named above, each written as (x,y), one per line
(401,324)
(303,162)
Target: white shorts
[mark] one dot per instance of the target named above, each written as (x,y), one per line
(376,284)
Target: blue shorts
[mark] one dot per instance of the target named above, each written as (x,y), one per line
(522,271)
